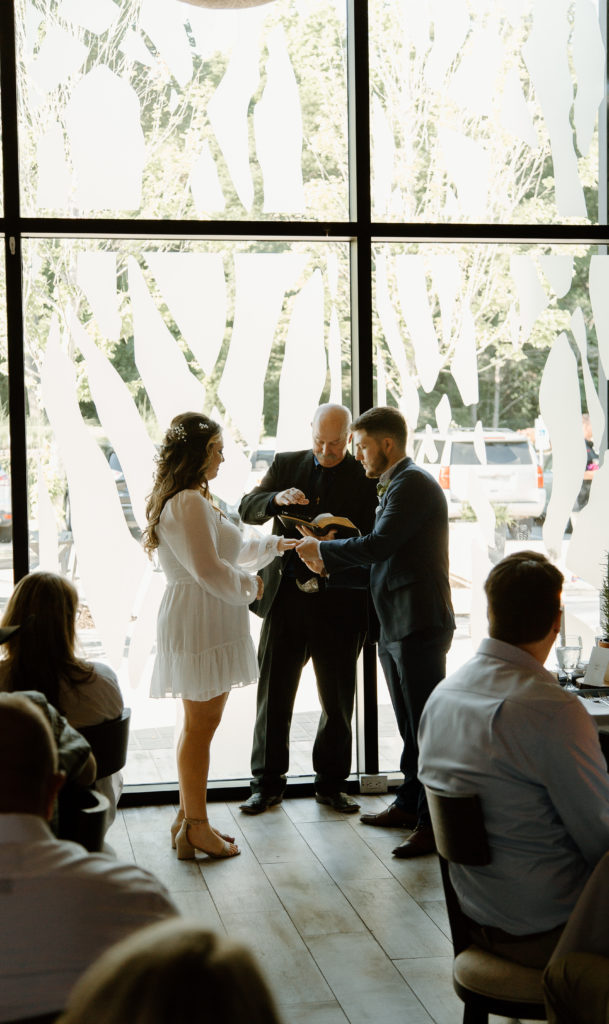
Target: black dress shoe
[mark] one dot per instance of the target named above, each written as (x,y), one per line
(391,817)
(339,801)
(258,802)
(420,842)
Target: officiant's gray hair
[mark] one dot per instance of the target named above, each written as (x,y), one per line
(332,408)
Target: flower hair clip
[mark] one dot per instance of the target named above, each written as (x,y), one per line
(177,433)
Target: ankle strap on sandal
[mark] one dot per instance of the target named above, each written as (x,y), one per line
(195,821)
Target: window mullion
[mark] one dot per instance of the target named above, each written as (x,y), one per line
(14,295)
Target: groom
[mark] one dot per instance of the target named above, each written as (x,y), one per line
(407,551)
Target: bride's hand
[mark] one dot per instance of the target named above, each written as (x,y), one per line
(286,544)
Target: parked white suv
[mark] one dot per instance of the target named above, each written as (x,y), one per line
(502,462)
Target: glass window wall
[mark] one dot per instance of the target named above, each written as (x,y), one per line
(6,514)
(170,110)
(496,353)
(485,111)
(225,149)
(122,336)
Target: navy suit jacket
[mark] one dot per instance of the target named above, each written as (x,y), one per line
(407,552)
(353,496)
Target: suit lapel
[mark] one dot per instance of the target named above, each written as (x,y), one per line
(393,482)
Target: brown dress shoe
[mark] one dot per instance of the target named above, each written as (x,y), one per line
(421,841)
(391,817)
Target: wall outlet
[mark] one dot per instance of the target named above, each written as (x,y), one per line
(373,784)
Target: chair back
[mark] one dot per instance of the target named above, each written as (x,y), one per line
(458,827)
(82,816)
(485,982)
(108,741)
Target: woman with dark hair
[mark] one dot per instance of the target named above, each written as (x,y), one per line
(204,646)
(41,656)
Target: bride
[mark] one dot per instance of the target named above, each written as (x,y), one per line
(204,647)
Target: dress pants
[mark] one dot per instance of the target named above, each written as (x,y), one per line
(528,950)
(328,628)
(413,666)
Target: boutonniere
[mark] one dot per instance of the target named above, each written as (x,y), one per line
(382,488)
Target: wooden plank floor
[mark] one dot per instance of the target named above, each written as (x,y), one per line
(342,930)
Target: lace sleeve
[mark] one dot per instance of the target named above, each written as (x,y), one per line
(258,550)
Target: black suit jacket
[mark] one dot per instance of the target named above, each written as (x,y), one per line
(407,551)
(351,495)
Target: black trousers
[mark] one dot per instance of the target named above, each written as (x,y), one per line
(326,627)
(413,666)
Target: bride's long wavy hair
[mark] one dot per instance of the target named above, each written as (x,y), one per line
(182,462)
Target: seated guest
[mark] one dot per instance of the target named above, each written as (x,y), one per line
(502,727)
(60,907)
(75,760)
(576,980)
(576,989)
(170,972)
(41,656)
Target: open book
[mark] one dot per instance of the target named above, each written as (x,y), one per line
(320,524)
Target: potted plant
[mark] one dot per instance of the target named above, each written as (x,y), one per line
(503,522)
(504,519)
(603,639)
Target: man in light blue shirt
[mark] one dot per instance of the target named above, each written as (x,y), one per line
(502,727)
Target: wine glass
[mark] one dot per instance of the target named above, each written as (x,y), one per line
(568,654)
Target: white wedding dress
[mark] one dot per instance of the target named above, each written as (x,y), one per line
(204,647)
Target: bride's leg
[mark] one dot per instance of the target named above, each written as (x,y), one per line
(180,815)
(201,719)
(177,822)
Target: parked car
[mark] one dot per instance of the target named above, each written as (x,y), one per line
(123,493)
(507,471)
(6,515)
(261,459)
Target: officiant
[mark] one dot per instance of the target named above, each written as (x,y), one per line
(307,617)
